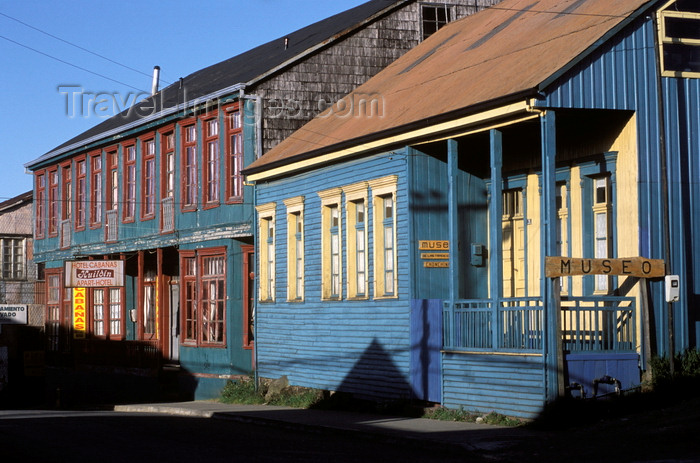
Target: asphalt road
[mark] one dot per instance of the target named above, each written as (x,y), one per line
(103,437)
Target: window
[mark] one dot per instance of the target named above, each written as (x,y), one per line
(211,162)
(601,227)
(513,246)
(295,248)
(384,235)
(12,261)
(53,309)
(80,193)
(53,202)
(331,254)
(434,17)
(39,220)
(189,167)
(266,238)
(167,149)
(562,201)
(234,154)
(66,192)
(679,38)
(129,206)
(113,180)
(107,313)
(148,179)
(357,229)
(204,297)
(96,201)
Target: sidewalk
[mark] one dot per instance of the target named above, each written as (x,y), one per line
(481,438)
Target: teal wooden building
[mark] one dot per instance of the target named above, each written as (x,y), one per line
(157,193)
(403,239)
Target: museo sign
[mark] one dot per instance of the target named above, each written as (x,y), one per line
(627,266)
(94,273)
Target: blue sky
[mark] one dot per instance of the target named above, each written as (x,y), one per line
(179,36)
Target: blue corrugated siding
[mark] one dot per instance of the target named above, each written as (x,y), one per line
(622,76)
(509,384)
(355,346)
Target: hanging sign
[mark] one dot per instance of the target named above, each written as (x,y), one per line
(629,266)
(94,273)
(79,313)
(13,314)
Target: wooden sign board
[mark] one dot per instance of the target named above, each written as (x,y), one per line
(629,266)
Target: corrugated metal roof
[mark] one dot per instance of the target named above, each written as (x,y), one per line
(241,69)
(506,50)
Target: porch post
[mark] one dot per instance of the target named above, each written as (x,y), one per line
(496,229)
(453,223)
(548,248)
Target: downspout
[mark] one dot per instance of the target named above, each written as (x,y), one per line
(661,108)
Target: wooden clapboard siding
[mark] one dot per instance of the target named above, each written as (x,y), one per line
(359,346)
(508,384)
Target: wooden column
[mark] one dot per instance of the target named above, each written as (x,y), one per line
(453,221)
(496,229)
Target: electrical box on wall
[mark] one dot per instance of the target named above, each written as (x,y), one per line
(673,288)
(477,255)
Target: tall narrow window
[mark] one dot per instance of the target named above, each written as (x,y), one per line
(211,162)
(129,206)
(150,330)
(601,227)
(113,180)
(234,154)
(96,201)
(40,207)
(331,245)
(562,228)
(148,179)
(53,202)
(12,260)
(53,309)
(204,298)
(357,229)
(66,192)
(266,233)
(107,313)
(189,167)
(513,247)
(167,178)
(295,248)
(80,193)
(384,232)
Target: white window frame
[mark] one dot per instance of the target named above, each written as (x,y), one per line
(356,196)
(295,248)
(382,188)
(330,199)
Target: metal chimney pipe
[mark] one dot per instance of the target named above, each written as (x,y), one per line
(156,80)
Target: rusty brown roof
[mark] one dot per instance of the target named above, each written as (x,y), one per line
(507,50)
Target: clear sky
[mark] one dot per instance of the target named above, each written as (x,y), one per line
(41,68)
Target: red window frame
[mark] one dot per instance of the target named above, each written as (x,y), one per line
(80,192)
(188,175)
(129,181)
(107,318)
(55,332)
(53,201)
(211,159)
(233,123)
(148,178)
(39,219)
(167,170)
(112,177)
(66,191)
(248,295)
(200,291)
(96,193)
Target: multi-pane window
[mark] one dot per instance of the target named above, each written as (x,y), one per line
(80,193)
(295,248)
(357,243)
(211,162)
(167,147)
(53,202)
(266,234)
(113,180)
(189,167)
(129,206)
(234,155)
(66,192)
(679,38)
(562,199)
(513,243)
(384,233)
(40,205)
(601,227)
(204,298)
(148,179)
(149,317)
(331,249)
(53,310)
(96,190)
(107,313)
(13,261)
(434,17)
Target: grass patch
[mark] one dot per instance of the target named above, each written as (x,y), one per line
(446,414)
(243,392)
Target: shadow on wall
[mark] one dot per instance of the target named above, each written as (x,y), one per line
(68,373)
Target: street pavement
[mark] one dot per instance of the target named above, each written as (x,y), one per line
(480,438)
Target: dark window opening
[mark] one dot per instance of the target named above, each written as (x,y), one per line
(433,18)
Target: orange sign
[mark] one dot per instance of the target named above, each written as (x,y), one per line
(79,313)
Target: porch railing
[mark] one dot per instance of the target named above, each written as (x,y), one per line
(588,324)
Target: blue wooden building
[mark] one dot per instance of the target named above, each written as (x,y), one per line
(156,193)
(405,241)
